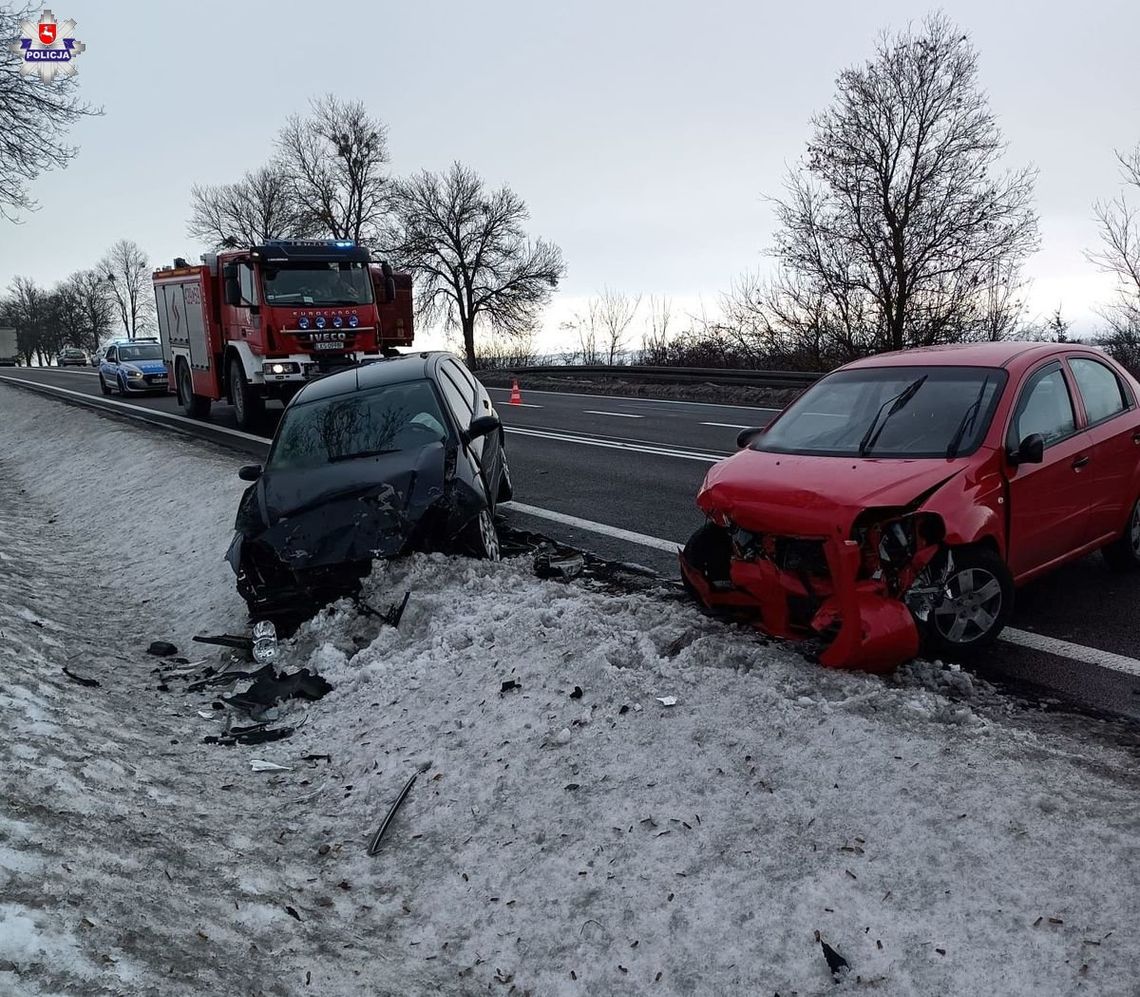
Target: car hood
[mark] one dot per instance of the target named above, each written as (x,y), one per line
(801,495)
(349,511)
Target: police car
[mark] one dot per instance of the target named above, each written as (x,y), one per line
(133,366)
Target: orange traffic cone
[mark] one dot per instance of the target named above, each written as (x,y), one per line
(516,395)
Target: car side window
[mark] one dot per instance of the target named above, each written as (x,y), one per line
(110,357)
(1100,388)
(247,284)
(457,399)
(462,377)
(1045,407)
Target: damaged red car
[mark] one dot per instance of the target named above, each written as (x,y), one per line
(898,502)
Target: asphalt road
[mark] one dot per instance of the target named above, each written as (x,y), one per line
(633,464)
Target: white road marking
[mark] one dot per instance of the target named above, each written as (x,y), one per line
(147,414)
(639,398)
(1077,652)
(725,425)
(522,405)
(587,524)
(707,458)
(620,415)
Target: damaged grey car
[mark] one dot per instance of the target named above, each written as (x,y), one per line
(400,455)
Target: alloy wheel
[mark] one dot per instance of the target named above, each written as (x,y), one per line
(1134,530)
(489,536)
(971,606)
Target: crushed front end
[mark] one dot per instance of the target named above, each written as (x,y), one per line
(856,583)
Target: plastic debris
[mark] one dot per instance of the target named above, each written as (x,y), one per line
(374,844)
(667,700)
(392,616)
(161,648)
(81,680)
(259,765)
(509,685)
(836,964)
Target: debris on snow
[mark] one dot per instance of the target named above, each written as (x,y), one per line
(80,679)
(509,685)
(667,700)
(260,765)
(836,964)
(161,649)
(374,844)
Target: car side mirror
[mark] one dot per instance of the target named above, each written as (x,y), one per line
(250,472)
(746,436)
(481,426)
(1031,450)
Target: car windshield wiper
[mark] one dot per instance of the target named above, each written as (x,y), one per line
(359,454)
(871,436)
(968,419)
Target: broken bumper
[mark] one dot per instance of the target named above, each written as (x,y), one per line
(861,625)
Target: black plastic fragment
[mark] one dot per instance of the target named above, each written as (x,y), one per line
(161,648)
(577,693)
(256,734)
(269,687)
(509,685)
(226,640)
(393,615)
(835,962)
(80,679)
(374,844)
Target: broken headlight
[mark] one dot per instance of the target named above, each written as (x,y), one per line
(899,539)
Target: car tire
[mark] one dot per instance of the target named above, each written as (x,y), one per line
(976,606)
(1123,554)
(482,538)
(103,386)
(195,406)
(249,406)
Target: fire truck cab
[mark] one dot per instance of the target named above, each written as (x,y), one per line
(249,325)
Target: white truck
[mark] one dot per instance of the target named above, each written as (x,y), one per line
(9,348)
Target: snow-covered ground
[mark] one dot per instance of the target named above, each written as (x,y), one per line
(599,844)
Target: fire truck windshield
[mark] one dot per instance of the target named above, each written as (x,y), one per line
(318,284)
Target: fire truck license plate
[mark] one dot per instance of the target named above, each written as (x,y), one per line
(328,346)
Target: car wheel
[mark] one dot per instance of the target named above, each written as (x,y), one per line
(195,406)
(249,407)
(506,489)
(1123,554)
(103,386)
(976,603)
(483,537)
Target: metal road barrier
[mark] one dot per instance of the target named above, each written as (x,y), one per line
(675,375)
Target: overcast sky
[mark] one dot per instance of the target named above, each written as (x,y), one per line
(643,136)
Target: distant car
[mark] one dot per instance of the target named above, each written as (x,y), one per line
(71,357)
(96,360)
(403,454)
(898,501)
(133,366)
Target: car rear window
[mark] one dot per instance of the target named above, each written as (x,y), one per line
(1100,388)
(402,416)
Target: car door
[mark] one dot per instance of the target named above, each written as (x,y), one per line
(1048,502)
(484,450)
(107,369)
(1113,425)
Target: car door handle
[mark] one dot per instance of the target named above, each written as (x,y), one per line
(1079,462)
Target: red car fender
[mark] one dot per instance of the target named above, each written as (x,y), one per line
(972,505)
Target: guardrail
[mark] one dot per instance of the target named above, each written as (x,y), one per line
(676,375)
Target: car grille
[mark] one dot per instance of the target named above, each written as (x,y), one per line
(796,555)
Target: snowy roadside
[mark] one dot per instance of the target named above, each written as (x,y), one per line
(554,843)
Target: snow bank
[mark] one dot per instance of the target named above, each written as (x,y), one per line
(555,842)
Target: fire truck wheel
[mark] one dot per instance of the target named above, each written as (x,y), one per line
(195,406)
(249,407)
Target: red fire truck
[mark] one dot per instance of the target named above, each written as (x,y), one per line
(253,324)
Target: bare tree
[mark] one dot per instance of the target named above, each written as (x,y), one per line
(126,270)
(32,311)
(1118,224)
(899,212)
(259,206)
(616,312)
(584,326)
(34,118)
(88,307)
(333,163)
(470,253)
(655,337)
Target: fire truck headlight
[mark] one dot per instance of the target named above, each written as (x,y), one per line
(280,367)
(353,321)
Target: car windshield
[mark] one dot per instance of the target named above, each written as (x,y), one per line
(403,416)
(140,351)
(889,412)
(318,284)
